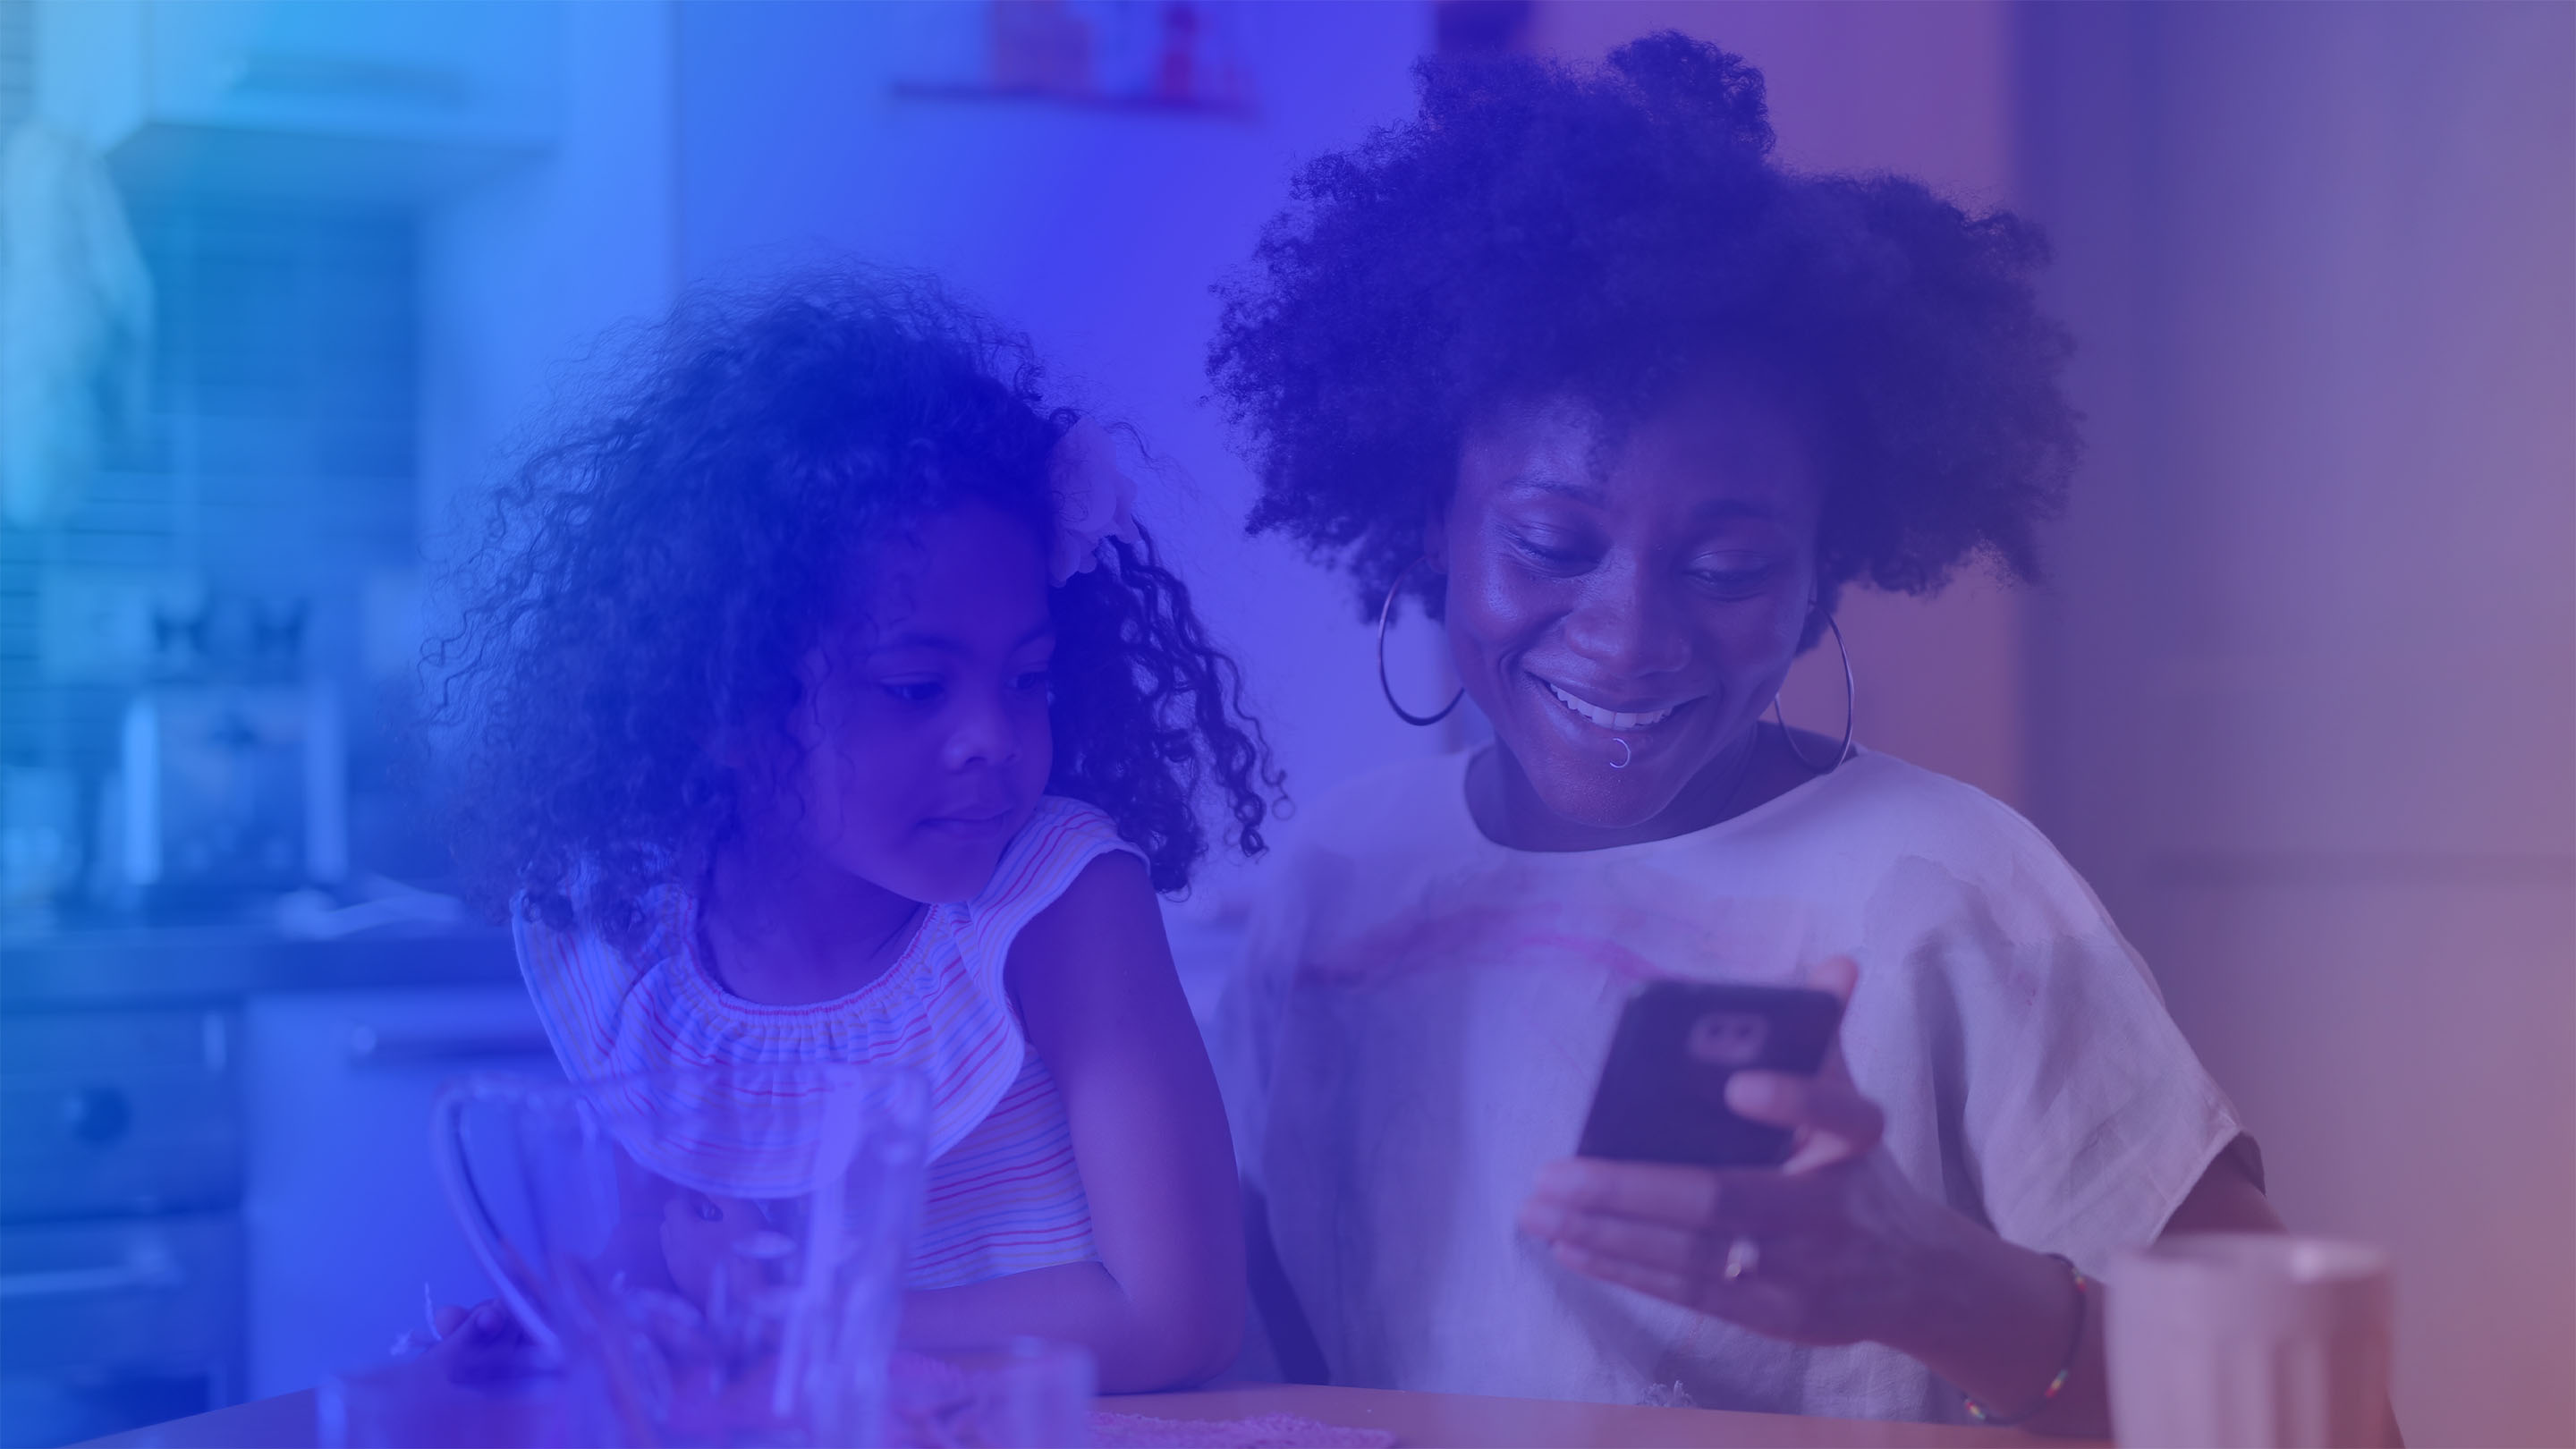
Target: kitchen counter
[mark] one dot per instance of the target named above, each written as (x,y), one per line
(173,965)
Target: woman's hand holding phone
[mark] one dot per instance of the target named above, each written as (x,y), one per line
(1833,1246)
(1828,1119)
(1662,1096)
(1826,1248)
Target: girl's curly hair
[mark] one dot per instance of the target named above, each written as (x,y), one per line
(650,579)
(1540,229)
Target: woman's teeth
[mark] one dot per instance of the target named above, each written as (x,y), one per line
(1609,719)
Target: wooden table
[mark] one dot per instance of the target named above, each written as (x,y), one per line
(1421,1420)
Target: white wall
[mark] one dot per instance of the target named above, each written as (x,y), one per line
(523,274)
(2306,697)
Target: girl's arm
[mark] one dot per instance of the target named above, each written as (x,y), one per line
(1093,978)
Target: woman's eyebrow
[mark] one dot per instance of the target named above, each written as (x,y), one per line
(1735,508)
(1706,511)
(1556,486)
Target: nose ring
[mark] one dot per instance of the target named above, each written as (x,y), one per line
(1625,755)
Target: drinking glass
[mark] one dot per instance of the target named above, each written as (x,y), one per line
(417,1403)
(1021,1393)
(707,1257)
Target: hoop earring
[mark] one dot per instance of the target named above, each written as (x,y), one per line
(1384,612)
(1850,711)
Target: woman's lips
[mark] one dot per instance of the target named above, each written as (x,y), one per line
(1607,718)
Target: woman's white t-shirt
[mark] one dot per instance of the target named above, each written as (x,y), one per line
(1422,1014)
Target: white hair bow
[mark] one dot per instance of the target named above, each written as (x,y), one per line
(1094,499)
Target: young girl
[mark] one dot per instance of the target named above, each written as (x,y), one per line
(823,702)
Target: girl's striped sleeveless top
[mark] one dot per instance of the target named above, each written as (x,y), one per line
(1004,1194)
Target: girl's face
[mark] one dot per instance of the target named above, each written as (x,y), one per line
(924,726)
(1647,588)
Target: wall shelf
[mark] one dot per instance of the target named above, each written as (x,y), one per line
(1145,103)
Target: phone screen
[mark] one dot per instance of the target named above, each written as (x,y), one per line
(1662,1096)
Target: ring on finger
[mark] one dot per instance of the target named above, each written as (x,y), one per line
(1743,1257)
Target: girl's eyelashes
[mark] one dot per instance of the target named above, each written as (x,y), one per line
(929,691)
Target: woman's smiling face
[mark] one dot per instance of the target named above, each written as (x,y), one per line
(1644,585)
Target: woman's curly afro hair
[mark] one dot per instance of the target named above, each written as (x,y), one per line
(1544,230)
(653,575)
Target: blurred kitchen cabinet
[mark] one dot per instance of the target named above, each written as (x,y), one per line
(120,1256)
(347,1228)
(391,100)
(116,1112)
(110,1323)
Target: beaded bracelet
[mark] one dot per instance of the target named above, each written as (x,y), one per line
(2065,1370)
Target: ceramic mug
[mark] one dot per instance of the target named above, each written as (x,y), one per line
(2249,1341)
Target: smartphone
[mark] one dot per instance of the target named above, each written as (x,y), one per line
(1662,1096)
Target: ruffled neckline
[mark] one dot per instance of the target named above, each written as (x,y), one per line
(682,948)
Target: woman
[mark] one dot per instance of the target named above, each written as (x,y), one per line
(1571,361)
